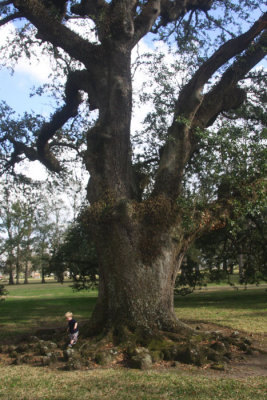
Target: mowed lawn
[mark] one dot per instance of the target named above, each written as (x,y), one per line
(39,305)
(32,306)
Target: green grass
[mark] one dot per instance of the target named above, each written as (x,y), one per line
(35,305)
(28,383)
(243,309)
(38,305)
(32,306)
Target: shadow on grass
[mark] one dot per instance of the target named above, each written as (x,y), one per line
(242,299)
(29,310)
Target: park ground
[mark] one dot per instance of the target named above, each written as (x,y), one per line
(34,306)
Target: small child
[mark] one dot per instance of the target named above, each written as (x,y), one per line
(72,329)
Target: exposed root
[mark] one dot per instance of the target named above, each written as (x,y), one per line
(139,348)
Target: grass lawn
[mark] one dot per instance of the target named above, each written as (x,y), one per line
(32,306)
(28,383)
(35,305)
(243,309)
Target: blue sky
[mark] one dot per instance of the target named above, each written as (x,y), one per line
(14,90)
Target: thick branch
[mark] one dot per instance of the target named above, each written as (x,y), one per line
(19,149)
(10,17)
(167,10)
(5,3)
(146,19)
(75,82)
(191,95)
(172,10)
(51,30)
(90,8)
(70,110)
(226,95)
(178,147)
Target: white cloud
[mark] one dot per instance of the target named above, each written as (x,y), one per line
(38,70)
(32,169)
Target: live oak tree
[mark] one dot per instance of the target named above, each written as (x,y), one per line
(141,233)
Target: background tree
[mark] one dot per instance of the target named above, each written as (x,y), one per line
(141,229)
(77,255)
(3,292)
(16,226)
(216,256)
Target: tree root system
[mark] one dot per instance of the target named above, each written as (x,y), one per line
(214,349)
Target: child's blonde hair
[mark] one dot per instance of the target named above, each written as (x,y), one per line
(68,314)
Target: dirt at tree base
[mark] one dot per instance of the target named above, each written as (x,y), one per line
(243,366)
(52,353)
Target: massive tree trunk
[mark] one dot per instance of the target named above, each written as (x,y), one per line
(136,283)
(138,260)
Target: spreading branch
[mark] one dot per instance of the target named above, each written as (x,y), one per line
(11,17)
(48,130)
(57,34)
(167,10)
(90,8)
(5,3)
(226,95)
(172,10)
(191,95)
(146,19)
(178,147)
(42,149)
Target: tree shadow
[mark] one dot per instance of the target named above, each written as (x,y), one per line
(245,299)
(19,316)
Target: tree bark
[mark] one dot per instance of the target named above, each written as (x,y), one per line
(43,275)
(138,262)
(241,265)
(136,282)
(26,272)
(17,266)
(11,277)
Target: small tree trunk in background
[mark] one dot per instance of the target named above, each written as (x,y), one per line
(241,265)
(60,277)
(17,266)
(43,275)
(183,267)
(11,277)
(225,265)
(197,269)
(26,272)
(231,268)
